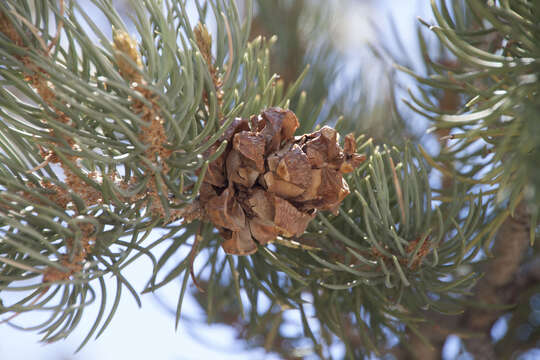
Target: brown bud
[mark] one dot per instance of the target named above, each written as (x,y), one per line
(9,30)
(126,49)
(204,41)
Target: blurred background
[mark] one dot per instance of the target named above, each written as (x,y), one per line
(347,44)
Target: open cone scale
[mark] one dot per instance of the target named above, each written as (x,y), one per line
(269,183)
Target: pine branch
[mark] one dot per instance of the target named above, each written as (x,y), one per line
(508,251)
(476,45)
(102,144)
(493,72)
(181,130)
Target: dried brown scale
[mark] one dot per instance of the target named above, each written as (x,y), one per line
(154,134)
(75,262)
(38,79)
(425,248)
(7,28)
(59,196)
(268,183)
(48,155)
(422,252)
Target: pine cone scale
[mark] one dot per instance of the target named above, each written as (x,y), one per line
(268,183)
(252,147)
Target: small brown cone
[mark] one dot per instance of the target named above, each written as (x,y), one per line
(269,183)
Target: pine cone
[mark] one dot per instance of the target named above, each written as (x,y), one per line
(269,183)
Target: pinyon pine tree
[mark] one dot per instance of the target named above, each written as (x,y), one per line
(115,144)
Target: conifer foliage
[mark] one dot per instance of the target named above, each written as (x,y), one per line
(113,144)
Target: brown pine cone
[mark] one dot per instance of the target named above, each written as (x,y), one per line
(269,183)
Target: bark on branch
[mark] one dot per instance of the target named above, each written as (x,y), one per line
(503,279)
